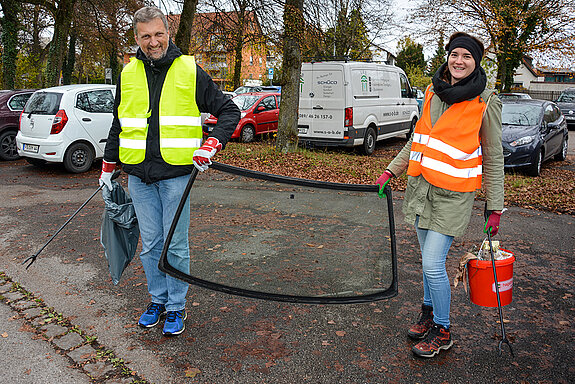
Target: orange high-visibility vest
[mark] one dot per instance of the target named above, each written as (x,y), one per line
(448,154)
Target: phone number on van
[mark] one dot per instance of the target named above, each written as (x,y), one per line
(312,116)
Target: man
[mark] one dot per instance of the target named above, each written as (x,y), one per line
(156,134)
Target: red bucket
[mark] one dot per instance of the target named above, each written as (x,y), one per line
(482,284)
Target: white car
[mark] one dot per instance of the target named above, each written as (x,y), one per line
(67,124)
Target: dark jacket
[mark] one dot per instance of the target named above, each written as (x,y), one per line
(208,98)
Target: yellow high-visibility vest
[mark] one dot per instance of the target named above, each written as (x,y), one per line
(180,122)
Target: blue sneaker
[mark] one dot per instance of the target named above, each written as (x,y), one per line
(174,324)
(152,315)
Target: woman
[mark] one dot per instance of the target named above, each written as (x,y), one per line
(456,143)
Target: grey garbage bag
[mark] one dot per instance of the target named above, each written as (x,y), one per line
(119,232)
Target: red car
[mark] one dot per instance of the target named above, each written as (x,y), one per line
(260,112)
(11,106)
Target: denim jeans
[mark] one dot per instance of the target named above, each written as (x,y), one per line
(436,288)
(156,206)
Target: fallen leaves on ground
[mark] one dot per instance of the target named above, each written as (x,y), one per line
(554,190)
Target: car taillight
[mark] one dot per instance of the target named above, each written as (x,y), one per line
(348,122)
(20,121)
(59,122)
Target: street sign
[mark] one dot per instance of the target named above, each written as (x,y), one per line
(270,73)
(108,74)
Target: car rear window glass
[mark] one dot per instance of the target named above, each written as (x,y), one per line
(43,103)
(520,114)
(98,101)
(245,102)
(17,102)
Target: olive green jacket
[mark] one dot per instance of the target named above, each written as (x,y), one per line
(448,212)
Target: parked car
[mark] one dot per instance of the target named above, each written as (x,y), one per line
(258,88)
(513,96)
(260,112)
(534,131)
(11,106)
(67,124)
(566,102)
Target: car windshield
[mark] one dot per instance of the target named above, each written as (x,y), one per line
(43,103)
(520,114)
(244,102)
(567,97)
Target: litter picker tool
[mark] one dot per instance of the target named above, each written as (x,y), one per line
(30,260)
(503,334)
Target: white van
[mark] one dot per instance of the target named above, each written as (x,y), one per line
(354,104)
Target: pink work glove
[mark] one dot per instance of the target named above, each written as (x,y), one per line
(382,182)
(203,154)
(106,175)
(492,223)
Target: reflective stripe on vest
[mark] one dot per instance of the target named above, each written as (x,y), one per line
(448,154)
(179,117)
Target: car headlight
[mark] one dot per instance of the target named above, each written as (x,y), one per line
(242,115)
(522,141)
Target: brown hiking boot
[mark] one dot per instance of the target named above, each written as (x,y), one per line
(420,330)
(438,338)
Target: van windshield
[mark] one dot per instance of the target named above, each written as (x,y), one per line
(43,103)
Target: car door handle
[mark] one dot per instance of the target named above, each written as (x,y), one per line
(86,119)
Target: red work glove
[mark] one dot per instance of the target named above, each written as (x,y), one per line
(203,154)
(492,223)
(106,175)
(382,182)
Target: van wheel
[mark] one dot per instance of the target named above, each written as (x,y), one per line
(369,141)
(78,158)
(411,129)
(248,133)
(8,149)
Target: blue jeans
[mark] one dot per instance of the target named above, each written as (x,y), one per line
(156,206)
(436,288)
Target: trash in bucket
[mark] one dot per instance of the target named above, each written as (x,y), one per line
(482,283)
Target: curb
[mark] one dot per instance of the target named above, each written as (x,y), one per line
(86,354)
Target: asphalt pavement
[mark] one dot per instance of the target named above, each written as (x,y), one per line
(64,321)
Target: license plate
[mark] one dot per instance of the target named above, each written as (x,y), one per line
(32,148)
(303,131)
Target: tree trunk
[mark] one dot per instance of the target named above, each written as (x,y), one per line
(236,80)
(184,33)
(114,63)
(68,67)
(287,139)
(11,10)
(62,21)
